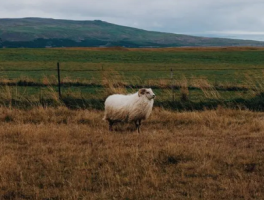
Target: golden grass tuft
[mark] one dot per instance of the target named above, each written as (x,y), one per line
(113,82)
(208,89)
(49,153)
(182,83)
(255,83)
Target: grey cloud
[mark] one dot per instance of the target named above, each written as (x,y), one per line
(178,16)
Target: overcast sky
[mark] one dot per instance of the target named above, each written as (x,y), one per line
(226,18)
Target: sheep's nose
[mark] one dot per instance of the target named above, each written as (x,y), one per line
(153,95)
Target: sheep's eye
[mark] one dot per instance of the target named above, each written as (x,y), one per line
(147,92)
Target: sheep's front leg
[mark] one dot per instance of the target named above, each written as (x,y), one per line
(138,123)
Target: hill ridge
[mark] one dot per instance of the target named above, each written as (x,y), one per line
(49,32)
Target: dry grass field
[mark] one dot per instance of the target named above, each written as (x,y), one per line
(58,153)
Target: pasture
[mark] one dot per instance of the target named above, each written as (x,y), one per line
(194,146)
(203,75)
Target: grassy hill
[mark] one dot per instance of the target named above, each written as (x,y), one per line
(41,32)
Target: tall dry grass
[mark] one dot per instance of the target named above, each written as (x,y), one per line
(183,90)
(11,94)
(49,153)
(208,89)
(183,84)
(113,82)
(255,83)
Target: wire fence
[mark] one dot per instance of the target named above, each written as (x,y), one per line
(170,78)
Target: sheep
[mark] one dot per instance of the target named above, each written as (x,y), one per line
(129,108)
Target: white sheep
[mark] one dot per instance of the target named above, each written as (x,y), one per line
(129,108)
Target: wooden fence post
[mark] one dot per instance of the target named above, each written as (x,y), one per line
(59,83)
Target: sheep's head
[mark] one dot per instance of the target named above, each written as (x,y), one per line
(146,92)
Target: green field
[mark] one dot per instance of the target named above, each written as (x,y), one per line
(215,65)
(208,74)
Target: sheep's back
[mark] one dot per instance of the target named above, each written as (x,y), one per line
(117,101)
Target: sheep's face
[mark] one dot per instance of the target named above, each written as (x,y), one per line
(147,93)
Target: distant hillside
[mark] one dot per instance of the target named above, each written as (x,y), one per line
(40,32)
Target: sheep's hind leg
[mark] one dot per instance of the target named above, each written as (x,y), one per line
(138,123)
(111,125)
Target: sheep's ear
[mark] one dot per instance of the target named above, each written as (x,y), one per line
(141,92)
